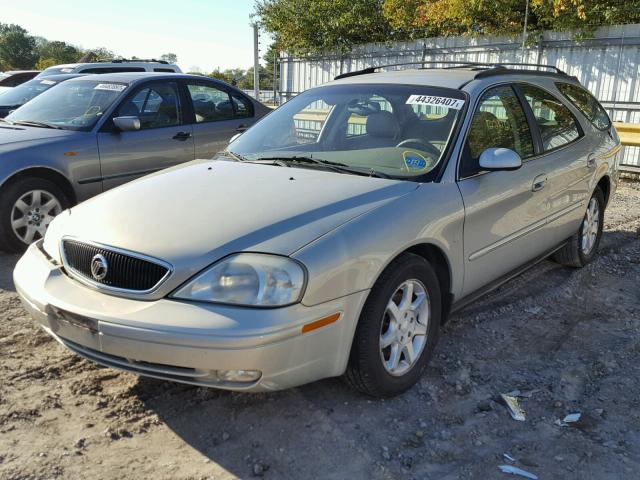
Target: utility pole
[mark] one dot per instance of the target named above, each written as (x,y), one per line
(524,30)
(275,76)
(256,62)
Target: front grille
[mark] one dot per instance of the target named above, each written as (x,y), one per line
(124,271)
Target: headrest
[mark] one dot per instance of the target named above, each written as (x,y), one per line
(382,124)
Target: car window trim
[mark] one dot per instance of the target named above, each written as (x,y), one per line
(461,153)
(210,84)
(576,121)
(109,127)
(459,178)
(579,109)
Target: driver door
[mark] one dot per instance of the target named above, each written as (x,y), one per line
(163,140)
(505,211)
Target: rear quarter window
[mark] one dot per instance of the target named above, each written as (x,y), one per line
(587,104)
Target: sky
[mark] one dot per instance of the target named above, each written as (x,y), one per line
(204,34)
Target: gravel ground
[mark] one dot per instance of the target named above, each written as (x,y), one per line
(569,340)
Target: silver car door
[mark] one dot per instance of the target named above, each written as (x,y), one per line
(568,154)
(505,211)
(162,141)
(219,114)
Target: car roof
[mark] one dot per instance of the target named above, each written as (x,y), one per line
(59,77)
(449,77)
(132,77)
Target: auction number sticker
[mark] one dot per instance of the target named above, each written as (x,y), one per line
(112,87)
(47,82)
(447,102)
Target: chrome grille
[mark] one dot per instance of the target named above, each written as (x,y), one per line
(126,271)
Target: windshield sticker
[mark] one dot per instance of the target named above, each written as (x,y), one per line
(47,82)
(113,87)
(414,161)
(454,103)
(66,70)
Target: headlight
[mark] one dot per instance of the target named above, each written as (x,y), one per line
(249,279)
(53,235)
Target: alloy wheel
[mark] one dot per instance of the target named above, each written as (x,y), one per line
(403,333)
(590,227)
(32,213)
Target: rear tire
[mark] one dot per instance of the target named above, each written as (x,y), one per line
(582,247)
(409,327)
(27,206)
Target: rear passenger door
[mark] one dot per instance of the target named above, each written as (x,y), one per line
(568,166)
(505,211)
(217,113)
(162,141)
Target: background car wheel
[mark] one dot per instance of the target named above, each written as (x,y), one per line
(397,329)
(583,245)
(27,206)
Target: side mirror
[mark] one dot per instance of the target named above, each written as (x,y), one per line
(127,124)
(235,137)
(494,159)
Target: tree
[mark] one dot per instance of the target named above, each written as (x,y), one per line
(58,52)
(308,27)
(17,47)
(169,57)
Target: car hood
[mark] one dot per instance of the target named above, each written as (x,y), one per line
(19,133)
(197,213)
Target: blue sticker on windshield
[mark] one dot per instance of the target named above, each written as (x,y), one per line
(414,161)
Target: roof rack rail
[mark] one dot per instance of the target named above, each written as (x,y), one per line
(486,67)
(126,60)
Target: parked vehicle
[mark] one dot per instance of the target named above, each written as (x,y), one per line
(92,133)
(21,94)
(8,80)
(335,236)
(113,66)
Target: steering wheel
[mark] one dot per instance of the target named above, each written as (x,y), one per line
(420,144)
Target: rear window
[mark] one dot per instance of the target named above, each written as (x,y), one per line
(587,104)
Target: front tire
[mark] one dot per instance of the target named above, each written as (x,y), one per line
(582,247)
(397,330)
(27,206)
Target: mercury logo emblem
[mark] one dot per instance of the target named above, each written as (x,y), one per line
(99,267)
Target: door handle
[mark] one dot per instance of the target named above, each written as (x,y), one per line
(182,136)
(539,183)
(591,160)
(241,128)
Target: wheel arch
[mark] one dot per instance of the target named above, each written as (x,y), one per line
(45,173)
(605,185)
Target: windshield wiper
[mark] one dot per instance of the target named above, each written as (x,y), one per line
(335,166)
(6,121)
(30,123)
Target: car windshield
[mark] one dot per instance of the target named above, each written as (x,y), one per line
(54,71)
(399,131)
(23,93)
(72,105)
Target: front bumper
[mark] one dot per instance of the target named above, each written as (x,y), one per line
(184,341)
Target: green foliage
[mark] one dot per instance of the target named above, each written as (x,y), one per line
(303,27)
(313,26)
(169,57)
(16,47)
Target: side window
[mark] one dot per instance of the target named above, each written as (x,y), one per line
(209,103)
(166,70)
(499,122)
(587,104)
(555,121)
(156,106)
(242,106)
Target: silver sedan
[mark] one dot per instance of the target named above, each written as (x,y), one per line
(335,236)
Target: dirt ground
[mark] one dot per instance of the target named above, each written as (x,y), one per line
(569,340)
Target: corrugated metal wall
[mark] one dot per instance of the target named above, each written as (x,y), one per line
(607,64)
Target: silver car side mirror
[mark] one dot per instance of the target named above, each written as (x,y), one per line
(493,159)
(127,123)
